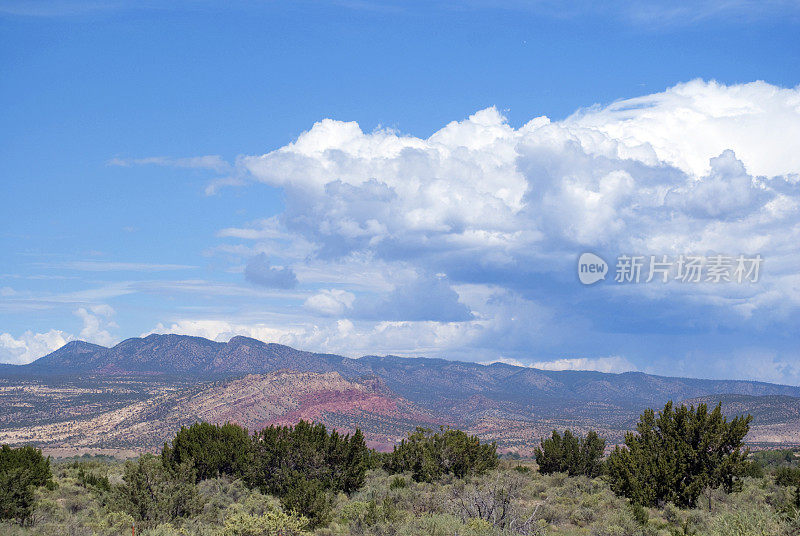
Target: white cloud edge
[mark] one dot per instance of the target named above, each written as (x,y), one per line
(612,364)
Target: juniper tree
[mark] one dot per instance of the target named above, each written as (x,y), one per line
(213,450)
(305,465)
(428,456)
(22,470)
(675,455)
(571,454)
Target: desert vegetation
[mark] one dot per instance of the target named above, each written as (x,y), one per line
(692,478)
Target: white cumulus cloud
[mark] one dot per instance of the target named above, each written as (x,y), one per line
(30,346)
(463,243)
(333,302)
(701,167)
(96,323)
(96,319)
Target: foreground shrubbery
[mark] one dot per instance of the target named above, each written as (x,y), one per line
(292,481)
(505,501)
(22,471)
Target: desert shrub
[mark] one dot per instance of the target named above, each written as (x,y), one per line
(398,482)
(164,529)
(22,470)
(674,456)
(749,522)
(434,525)
(552,513)
(310,497)
(640,513)
(110,523)
(582,516)
(619,522)
(91,479)
(360,515)
(416,498)
(428,456)
(571,454)
(219,495)
(214,450)
(273,523)
(154,494)
(494,499)
(787,476)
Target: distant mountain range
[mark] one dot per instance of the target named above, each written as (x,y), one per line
(135,394)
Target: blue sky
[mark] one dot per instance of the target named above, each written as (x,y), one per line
(400,177)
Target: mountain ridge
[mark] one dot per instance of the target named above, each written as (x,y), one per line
(144,384)
(437,384)
(186,354)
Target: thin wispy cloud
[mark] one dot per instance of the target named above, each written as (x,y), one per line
(203,287)
(644,14)
(109,266)
(211,162)
(57,8)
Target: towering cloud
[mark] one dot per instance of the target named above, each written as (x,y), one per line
(699,168)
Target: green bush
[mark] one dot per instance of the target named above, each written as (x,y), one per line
(787,476)
(398,482)
(752,522)
(22,470)
(274,523)
(164,529)
(90,479)
(154,494)
(362,514)
(640,513)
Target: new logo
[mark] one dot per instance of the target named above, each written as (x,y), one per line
(591,268)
